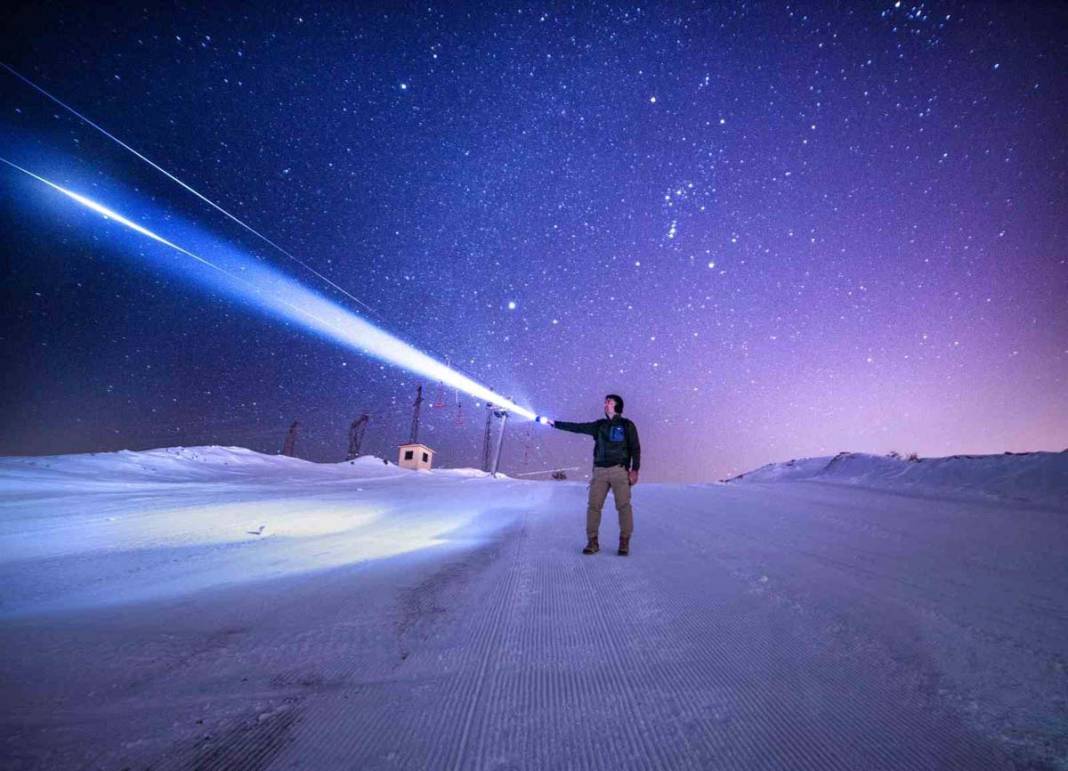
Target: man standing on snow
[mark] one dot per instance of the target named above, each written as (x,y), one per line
(616,458)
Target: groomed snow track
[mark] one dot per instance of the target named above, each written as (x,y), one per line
(789,626)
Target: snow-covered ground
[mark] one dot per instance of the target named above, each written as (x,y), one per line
(218,608)
(1029,477)
(111,528)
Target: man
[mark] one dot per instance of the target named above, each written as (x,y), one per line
(616,459)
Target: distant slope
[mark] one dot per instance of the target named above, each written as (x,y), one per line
(178,465)
(1033,477)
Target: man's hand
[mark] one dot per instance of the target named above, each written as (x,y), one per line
(632,477)
(545,421)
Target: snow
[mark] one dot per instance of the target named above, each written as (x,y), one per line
(215,607)
(1034,477)
(182,519)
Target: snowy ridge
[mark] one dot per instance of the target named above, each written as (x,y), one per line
(1034,477)
(74,529)
(179,465)
(176,465)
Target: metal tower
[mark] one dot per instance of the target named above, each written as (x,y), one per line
(356,435)
(503,415)
(486,438)
(415,416)
(291,439)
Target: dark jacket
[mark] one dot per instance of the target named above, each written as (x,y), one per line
(615,441)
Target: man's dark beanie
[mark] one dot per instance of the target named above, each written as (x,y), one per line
(619,402)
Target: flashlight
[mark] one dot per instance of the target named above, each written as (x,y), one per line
(542,419)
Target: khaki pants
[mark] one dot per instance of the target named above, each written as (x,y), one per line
(604,478)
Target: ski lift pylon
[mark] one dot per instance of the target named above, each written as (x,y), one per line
(439,397)
(459,420)
(526,445)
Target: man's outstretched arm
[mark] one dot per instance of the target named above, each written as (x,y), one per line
(576,428)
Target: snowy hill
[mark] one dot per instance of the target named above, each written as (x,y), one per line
(185,518)
(217,608)
(1035,477)
(176,465)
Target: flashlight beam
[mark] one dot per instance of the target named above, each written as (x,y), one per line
(170,176)
(330,320)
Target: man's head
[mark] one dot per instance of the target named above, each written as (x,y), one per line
(613,405)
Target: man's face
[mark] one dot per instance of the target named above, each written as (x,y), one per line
(610,407)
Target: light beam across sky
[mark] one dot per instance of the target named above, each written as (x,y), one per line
(274,293)
(170,176)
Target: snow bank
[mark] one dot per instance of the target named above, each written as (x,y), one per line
(1031,477)
(111,528)
(174,465)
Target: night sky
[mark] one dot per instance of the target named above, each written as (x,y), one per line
(777,230)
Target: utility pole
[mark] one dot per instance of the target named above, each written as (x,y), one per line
(291,439)
(356,435)
(486,438)
(415,415)
(503,415)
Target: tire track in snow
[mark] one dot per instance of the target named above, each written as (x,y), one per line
(581,664)
(424,712)
(708,746)
(487,645)
(249,746)
(638,671)
(664,660)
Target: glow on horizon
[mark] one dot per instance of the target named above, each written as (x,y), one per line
(270,291)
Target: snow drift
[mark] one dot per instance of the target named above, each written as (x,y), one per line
(1031,477)
(111,528)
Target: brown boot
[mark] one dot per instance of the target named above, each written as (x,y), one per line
(592,547)
(624,545)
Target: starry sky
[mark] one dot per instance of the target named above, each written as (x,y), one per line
(778,230)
